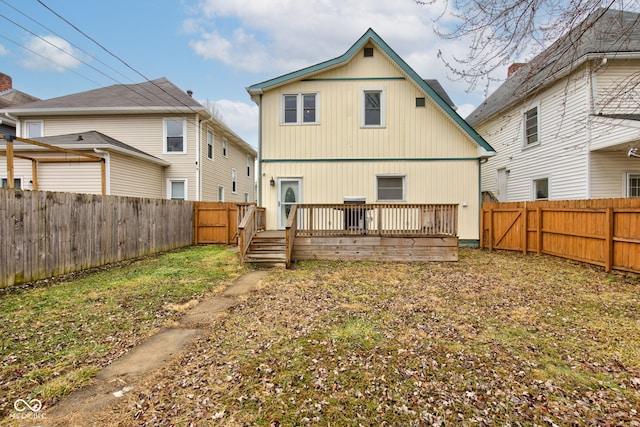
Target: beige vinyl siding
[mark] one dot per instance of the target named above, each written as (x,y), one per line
(143,131)
(217,172)
(21,169)
(426,182)
(134,177)
(410,132)
(70,177)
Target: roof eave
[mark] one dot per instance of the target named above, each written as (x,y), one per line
(102,110)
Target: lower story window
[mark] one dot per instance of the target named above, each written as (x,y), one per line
(221,194)
(17,183)
(390,187)
(541,188)
(177,189)
(633,185)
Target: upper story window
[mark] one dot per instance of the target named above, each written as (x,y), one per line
(248,165)
(633,185)
(175,131)
(531,127)
(541,189)
(390,188)
(33,129)
(224,147)
(300,108)
(209,144)
(373,107)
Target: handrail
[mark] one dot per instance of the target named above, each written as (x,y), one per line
(290,232)
(246,231)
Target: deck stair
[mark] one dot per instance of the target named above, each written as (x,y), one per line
(268,248)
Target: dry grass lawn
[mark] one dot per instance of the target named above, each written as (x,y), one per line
(494,339)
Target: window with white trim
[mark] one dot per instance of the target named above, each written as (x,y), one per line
(531,126)
(373,107)
(220,193)
(209,144)
(249,165)
(633,185)
(177,189)
(390,188)
(246,197)
(234,181)
(300,108)
(541,189)
(175,131)
(33,129)
(224,147)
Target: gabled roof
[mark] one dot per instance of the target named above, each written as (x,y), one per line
(149,96)
(604,33)
(14,97)
(88,141)
(371,36)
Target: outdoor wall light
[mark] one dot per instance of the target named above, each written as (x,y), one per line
(272,182)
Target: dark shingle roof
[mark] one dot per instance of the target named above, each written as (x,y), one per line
(605,31)
(437,88)
(88,141)
(153,94)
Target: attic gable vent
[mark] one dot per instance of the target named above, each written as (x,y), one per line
(368,52)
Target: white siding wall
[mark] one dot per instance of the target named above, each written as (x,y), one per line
(561,154)
(608,173)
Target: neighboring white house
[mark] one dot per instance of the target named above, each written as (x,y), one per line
(566,124)
(155,141)
(365,125)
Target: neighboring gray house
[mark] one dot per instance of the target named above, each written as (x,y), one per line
(154,138)
(567,124)
(10,97)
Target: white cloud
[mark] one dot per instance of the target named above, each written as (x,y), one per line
(3,50)
(281,36)
(241,117)
(50,53)
(465,109)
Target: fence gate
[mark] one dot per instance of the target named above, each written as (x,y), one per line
(215,223)
(504,228)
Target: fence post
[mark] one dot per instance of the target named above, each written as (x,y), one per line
(523,213)
(490,229)
(609,229)
(196,220)
(539,229)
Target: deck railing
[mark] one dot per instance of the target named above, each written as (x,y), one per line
(375,219)
(247,229)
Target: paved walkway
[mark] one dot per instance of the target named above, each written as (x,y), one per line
(122,376)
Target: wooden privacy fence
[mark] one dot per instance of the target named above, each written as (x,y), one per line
(603,232)
(217,222)
(44,234)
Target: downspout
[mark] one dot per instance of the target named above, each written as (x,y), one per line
(199,180)
(107,165)
(198,169)
(590,111)
(260,152)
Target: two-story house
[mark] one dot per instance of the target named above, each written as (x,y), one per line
(152,140)
(365,125)
(566,125)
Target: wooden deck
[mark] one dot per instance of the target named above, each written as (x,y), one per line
(404,233)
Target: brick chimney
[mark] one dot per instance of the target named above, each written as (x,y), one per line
(515,67)
(5,82)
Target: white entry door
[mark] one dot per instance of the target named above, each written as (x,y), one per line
(289,194)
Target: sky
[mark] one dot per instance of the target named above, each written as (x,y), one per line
(216,48)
